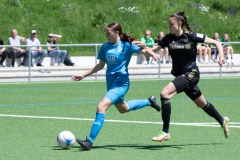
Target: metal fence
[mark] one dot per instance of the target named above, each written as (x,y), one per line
(96,53)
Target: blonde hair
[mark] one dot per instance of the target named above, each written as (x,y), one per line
(148,31)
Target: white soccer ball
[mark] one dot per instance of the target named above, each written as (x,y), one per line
(65,139)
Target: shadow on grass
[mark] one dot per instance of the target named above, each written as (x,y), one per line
(150,147)
(139,146)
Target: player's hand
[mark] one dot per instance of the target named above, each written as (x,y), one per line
(221,62)
(77,78)
(156,57)
(140,44)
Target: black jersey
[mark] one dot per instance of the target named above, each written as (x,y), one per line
(183,50)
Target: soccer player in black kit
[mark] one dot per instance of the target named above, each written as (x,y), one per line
(182,47)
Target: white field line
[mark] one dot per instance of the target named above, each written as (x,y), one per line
(231,125)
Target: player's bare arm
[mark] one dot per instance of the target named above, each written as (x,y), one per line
(219,48)
(95,69)
(143,45)
(149,52)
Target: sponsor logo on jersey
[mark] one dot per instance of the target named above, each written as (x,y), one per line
(112,59)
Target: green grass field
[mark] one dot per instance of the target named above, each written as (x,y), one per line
(32,115)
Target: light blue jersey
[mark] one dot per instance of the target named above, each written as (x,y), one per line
(117,57)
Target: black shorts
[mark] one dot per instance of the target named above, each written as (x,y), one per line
(187,83)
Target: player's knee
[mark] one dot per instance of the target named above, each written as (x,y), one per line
(164,94)
(101,109)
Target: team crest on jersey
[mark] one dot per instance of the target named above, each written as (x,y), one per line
(185,40)
(188,46)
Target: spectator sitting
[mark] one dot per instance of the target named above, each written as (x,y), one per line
(36,50)
(227,48)
(3,53)
(55,52)
(214,50)
(148,40)
(201,51)
(17,52)
(208,52)
(164,52)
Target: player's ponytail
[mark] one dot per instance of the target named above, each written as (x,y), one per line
(180,16)
(123,36)
(126,37)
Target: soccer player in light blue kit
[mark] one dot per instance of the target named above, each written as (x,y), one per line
(116,54)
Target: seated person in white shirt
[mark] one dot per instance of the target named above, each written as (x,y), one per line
(36,50)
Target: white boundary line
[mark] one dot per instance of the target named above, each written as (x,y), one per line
(232,124)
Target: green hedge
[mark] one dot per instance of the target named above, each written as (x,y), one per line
(83,21)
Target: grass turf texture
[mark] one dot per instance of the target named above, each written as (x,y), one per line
(35,138)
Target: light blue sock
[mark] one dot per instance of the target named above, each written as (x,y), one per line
(137,104)
(97,126)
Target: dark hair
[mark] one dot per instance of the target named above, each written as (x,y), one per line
(180,16)
(123,36)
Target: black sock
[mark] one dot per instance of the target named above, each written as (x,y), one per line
(166,112)
(211,111)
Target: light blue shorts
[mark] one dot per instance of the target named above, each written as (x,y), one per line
(117,87)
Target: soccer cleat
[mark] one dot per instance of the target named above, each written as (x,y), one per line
(162,136)
(225,127)
(87,145)
(154,104)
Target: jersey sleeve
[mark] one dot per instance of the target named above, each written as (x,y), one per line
(101,54)
(135,48)
(163,43)
(198,37)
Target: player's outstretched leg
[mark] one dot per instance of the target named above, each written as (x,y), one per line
(225,127)
(154,104)
(223,121)
(138,104)
(166,112)
(96,127)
